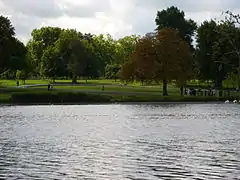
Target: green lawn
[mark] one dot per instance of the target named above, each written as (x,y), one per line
(109,85)
(30,82)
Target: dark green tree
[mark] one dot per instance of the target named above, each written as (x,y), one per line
(174,18)
(7,42)
(75,52)
(52,65)
(112,71)
(41,39)
(206,38)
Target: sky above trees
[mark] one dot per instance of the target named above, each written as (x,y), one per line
(119,18)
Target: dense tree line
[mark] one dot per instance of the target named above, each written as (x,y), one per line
(166,54)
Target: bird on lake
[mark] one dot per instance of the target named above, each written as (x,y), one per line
(235,101)
(227,101)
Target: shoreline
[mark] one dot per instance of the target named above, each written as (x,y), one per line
(114,103)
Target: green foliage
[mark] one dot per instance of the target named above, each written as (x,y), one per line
(218,50)
(41,39)
(74,51)
(206,39)
(161,56)
(174,18)
(57,97)
(112,71)
(70,97)
(51,63)
(57,53)
(21,75)
(12,51)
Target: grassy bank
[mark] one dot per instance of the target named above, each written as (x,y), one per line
(41,96)
(192,83)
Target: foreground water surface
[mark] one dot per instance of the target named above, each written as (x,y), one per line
(168,141)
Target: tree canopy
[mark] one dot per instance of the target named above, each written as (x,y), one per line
(174,18)
(164,55)
(161,56)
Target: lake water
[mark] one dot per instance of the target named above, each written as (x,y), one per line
(168,141)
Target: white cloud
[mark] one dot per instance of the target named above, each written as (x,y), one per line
(119,18)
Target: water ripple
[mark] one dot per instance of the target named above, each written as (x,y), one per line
(183,141)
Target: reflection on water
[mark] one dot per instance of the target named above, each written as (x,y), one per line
(182,141)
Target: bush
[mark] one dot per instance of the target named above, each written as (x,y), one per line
(57,97)
(154,98)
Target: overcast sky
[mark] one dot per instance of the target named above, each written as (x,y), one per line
(117,17)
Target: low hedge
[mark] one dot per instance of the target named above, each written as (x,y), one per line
(34,97)
(154,98)
(57,97)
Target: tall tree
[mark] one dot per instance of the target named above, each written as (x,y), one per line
(125,46)
(7,41)
(174,18)
(127,71)
(75,52)
(42,39)
(145,58)
(112,71)
(51,63)
(18,60)
(160,56)
(230,32)
(206,38)
(173,57)
(106,50)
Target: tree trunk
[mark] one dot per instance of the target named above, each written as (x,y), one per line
(238,77)
(74,79)
(218,84)
(165,93)
(181,89)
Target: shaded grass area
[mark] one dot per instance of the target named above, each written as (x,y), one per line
(192,83)
(112,88)
(89,82)
(42,96)
(92,92)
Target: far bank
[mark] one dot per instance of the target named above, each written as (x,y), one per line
(66,98)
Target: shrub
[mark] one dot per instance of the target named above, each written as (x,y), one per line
(57,97)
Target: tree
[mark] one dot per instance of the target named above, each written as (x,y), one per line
(18,59)
(160,56)
(173,18)
(214,51)
(231,34)
(112,71)
(125,46)
(206,39)
(140,63)
(21,75)
(7,42)
(127,71)
(105,50)
(145,57)
(173,58)
(51,63)
(42,39)
(75,52)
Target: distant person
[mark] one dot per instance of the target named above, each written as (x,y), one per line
(102,88)
(17,83)
(194,92)
(49,86)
